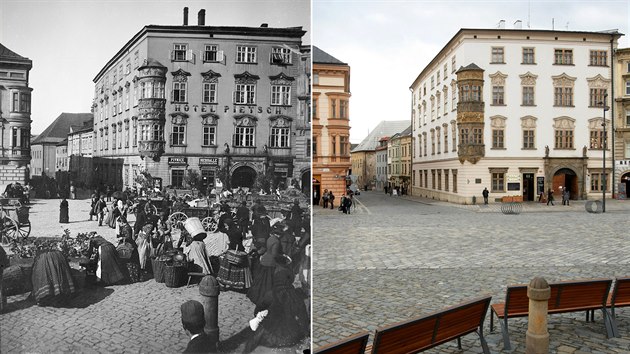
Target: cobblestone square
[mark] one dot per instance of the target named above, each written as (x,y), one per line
(395,258)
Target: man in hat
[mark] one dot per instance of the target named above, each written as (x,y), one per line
(242,216)
(193,321)
(295,219)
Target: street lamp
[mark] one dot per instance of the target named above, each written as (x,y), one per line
(605,108)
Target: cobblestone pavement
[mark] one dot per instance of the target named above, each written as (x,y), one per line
(138,318)
(395,258)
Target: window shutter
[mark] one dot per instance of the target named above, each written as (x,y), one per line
(220,56)
(189,55)
(172,54)
(234,97)
(234,139)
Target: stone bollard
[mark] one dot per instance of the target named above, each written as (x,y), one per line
(537,338)
(209,291)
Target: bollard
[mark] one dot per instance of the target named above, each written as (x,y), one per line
(209,291)
(537,338)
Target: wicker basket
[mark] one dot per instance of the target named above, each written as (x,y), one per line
(175,275)
(17,280)
(158,270)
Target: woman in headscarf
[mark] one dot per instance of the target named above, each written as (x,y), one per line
(109,267)
(263,275)
(143,241)
(196,250)
(128,250)
(234,271)
(52,279)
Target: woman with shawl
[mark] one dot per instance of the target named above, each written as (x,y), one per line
(196,250)
(263,275)
(109,267)
(143,241)
(52,279)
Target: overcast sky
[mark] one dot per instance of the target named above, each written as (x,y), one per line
(69,41)
(388,43)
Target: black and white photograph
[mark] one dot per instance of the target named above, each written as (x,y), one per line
(155,174)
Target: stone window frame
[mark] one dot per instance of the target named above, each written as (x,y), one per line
(498,80)
(497,175)
(497,55)
(445,129)
(498,124)
(528,123)
(565,84)
(598,87)
(533,56)
(596,133)
(564,128)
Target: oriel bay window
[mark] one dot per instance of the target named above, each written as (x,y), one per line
(21,102)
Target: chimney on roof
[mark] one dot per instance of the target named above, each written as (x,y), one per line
(185,16)
(201,17)
(502,24)
(264,25)
(518,24)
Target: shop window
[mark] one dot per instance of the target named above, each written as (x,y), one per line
(177,178)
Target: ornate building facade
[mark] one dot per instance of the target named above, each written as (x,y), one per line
(331,123)
(222,101)
(518,111)
(622,122)
(15,117)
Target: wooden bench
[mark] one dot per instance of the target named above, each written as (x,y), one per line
(434,329)
(569,296)
(351,345)
(619,297)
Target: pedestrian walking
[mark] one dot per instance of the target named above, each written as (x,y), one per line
(73,191)
(63,212)
(100,206)
(485,194)
(550,196)
(325,198)
(331,199)
(566,195)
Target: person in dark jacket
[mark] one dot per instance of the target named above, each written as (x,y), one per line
(331,199)
(63,212)
(242,217)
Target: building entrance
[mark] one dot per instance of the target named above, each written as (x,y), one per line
(317,192)
(243,176)
(529,188)
(565,178)
(305,185)
(625,181)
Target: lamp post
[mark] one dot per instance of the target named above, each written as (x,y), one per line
(605,108)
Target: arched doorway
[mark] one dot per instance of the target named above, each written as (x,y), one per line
(305,185)
(243,176)
(625,183)
(565,178)
(317,192)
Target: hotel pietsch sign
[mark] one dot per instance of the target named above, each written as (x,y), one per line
(213,108)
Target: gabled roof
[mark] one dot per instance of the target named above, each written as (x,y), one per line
(7,55)
(384,128)
(58,130)
(321,57)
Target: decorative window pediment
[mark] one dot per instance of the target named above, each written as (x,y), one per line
(246,78)
(209,119)
(280,121)
(245,120)
(596,123)
(210,76)
(498,78)
(179,118)
(127,84)
(528,79)
(135,79)
(528,122)
(598,82)
(563,80)
(564,123)
(281,79)
(498,122)
(180,75)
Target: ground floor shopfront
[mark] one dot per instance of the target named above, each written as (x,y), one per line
(331,179)
(511,179)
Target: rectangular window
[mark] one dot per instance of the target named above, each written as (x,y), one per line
(439,142)
(528,56)
(127,67)
(453,66)
(563,96)
(497,139)
(564,139)
(433,184)
(245,94)
(446,182)
(343,145)
(127,134)
(477,136)
(308,147)
(528,139)
(597,182)
(628,118)
(343,109)
(280,95)
(627,150)
(628,88)
(280,56)
(178,135)
(209,93)
(437,77)
(279,138)
(177,178)
(136,60)
(445,139)
(498,95)
(244,136)
(528,95)
(563,56)
(445,70)
(598,57)
(211,52)
(179,52)
(439,180)
(597,139)
(596,97)
(209,135)
(497,55)
(135,133)
(498,182)
(179,92)
(16,102)
(245,54)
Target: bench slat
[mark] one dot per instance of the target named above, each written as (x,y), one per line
(351,345)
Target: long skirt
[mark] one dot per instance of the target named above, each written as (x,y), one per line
(52,279)
(287,322)
(109,268)
(144,250)
(232,276)
(196,253)
(263,282)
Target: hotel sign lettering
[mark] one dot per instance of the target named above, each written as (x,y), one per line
(209,161)
(178,161)
(207,108)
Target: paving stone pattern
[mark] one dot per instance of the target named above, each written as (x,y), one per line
(138,318)
(395,258)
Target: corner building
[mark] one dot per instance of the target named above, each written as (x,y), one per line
(518,111)
(219,100)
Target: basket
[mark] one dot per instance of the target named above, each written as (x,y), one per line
(125,250)
(175,275)
(16,280)
(158,270)
(237,258)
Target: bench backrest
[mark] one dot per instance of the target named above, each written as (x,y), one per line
(621,293)
(351,345)
(565,296)
(433,329)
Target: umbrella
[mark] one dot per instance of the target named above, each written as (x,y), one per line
(119,195)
